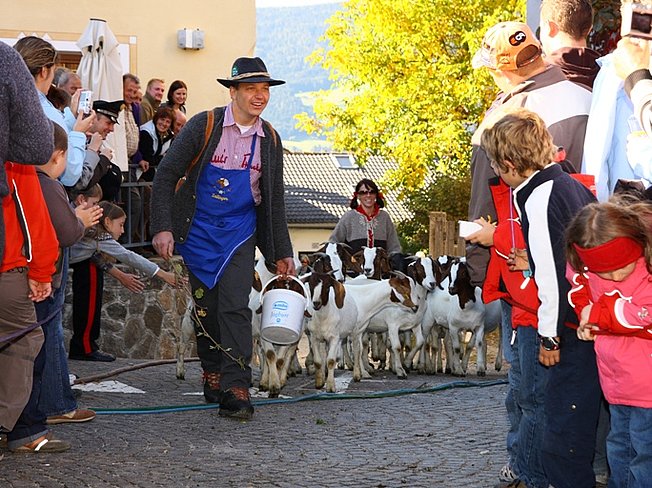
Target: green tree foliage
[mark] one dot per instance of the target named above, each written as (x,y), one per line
(403,86)
(450,194)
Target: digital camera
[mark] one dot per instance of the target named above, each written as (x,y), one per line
(636,20)
(85,101)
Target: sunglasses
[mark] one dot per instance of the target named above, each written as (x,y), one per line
(366,192)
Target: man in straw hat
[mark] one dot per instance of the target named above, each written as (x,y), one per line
(230,201)
(513,56)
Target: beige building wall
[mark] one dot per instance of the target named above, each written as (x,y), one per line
(308,240)
(147,31)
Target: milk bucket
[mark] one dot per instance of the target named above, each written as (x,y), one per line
(282,316)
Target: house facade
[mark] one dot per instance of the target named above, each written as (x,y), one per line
(148,36)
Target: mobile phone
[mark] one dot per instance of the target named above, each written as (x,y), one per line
(85,101)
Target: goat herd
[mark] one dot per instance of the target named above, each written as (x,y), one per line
(408,309)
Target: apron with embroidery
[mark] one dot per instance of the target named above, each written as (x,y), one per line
(225,218)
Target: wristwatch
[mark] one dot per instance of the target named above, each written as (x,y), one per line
(549,343)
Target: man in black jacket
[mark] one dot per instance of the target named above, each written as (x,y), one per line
(230,201)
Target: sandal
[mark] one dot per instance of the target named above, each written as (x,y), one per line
(46,443)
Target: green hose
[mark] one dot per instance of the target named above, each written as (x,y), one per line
(305,398)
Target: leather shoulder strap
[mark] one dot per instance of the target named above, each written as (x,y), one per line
(210,121)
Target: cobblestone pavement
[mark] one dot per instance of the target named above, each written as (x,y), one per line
(448,438)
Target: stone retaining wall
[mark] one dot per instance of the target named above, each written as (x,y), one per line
(143,325)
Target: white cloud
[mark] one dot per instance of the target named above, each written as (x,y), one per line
(292,3)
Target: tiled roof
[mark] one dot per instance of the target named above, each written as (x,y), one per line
(318,190)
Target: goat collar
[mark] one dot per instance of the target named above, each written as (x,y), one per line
(614,254)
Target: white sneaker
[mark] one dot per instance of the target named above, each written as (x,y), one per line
(507,473)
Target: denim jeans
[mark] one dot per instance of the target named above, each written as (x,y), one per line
(572,408)
(513,410)
(56,395)
(629,447)
(530,398)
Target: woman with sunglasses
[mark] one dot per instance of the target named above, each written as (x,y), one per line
(366,224)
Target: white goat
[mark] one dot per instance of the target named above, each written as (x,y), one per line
(393,319)
(341,259)
(371,296)
(434,325)
(467,313)
(334,318)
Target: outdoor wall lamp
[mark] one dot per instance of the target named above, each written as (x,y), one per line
(190,39)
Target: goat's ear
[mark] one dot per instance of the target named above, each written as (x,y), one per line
(257,284)
(340,293)
(394,298)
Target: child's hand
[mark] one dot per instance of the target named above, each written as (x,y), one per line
(129,281)
(169,278)
(39,291)
(485,236)
(89,215)
(586,331)
(518,260)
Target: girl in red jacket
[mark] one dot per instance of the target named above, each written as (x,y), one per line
(609,251)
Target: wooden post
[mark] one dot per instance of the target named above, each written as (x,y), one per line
(437,233)
(444,238)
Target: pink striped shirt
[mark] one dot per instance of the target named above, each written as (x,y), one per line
(233,150)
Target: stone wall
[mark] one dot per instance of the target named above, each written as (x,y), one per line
(143,325)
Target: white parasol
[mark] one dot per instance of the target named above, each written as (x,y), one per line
(100,70)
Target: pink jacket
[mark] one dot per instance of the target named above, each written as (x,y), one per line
(623,347)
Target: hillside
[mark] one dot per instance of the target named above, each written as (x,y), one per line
(285,37)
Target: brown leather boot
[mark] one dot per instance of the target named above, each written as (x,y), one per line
(236,403)
(212,392)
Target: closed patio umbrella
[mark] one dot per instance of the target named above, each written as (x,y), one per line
(100,70)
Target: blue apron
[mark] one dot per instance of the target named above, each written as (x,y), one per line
(225,218)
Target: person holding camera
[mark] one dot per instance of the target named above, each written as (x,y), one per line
(41,58)
(632,59)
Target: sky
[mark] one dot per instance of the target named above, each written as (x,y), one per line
(291,3)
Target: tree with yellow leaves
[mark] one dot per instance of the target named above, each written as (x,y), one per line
(403,86)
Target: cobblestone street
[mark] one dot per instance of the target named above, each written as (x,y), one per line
(448,438)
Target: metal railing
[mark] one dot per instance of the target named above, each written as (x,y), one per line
(135,196)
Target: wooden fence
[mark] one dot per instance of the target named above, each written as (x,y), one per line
(444,236)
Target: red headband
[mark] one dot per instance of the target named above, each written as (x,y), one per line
(614,254)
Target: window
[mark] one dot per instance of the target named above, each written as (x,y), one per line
(344,161)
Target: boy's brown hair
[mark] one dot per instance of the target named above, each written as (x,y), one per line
(520,137)
(60,138)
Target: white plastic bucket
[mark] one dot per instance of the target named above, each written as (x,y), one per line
(282,316)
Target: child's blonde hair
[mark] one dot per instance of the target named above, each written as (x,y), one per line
(520,137)
(598,223)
